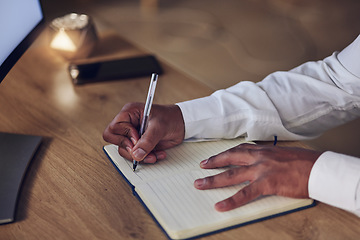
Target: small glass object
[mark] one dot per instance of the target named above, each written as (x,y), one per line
(73,35)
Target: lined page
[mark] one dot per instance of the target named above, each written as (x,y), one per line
(182,158)
(184,211)
(167,190)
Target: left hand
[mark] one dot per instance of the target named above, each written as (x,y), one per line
(270,170)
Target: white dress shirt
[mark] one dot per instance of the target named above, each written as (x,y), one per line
(298,104)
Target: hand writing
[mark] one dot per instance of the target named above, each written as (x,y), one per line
(165,129)
(270,171)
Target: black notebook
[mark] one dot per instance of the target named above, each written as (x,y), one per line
(166,189)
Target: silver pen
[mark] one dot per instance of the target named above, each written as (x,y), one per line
(148,104)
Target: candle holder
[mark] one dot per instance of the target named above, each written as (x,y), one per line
(73,36)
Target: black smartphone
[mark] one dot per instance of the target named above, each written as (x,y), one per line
(114,69)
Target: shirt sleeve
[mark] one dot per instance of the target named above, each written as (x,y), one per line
(294,105)
(335,178)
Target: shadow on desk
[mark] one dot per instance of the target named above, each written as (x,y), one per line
(344,139)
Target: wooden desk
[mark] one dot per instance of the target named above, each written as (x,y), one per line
(72,191)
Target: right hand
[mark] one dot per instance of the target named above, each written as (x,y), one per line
(165,129)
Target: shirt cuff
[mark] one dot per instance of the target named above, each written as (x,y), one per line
(198,114)
(334,179)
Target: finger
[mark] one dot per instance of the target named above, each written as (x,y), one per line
(147,142)
(244,196)
(125,153)
(241,155)
(125,122)
(229,177)
(155,156)
(160,155)
(125,146)
(122,129)
(119,140)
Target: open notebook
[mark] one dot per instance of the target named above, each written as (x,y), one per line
(167,191)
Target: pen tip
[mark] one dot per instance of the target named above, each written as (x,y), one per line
(135,163)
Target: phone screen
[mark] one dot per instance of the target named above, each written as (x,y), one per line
(114,69)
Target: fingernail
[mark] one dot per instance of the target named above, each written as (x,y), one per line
(128,149)
(148,159)
(160,155)
(200,182)
(139,153)
(204,162)
(220,205)
(133,140)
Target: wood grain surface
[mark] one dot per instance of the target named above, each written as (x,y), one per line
(72,191)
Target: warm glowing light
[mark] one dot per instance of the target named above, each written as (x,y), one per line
(64,92)
(62,42)
(73,36)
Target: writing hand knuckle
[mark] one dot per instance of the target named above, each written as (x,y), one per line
(112,127)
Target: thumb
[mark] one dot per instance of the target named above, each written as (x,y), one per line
(146,143)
